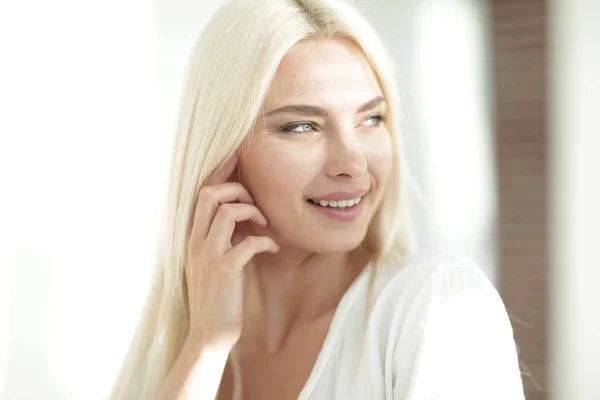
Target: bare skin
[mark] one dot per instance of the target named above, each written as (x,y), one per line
(302,260)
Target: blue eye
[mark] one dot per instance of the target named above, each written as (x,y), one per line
(375,120)
(304,127)
(309,127)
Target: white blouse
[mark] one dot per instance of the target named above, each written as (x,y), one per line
(437,330)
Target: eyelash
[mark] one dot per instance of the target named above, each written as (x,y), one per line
(379,119)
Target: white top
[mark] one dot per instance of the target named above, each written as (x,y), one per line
(438,330)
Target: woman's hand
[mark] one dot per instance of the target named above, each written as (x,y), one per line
(215,265)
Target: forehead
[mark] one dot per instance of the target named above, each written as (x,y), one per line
(327,73)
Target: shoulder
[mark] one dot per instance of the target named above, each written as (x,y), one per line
(423,277)
(445,327)
(407,297)
(433,289)
(446,290)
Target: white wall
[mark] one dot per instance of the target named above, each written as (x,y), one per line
(82,165)
(575,194)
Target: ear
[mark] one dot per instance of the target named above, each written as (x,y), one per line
(224,172)
(235,174)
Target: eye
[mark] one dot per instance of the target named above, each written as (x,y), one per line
(304,127)
(374,120)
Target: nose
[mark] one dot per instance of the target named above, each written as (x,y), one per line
(345,156)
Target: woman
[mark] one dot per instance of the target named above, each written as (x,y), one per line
(287,268)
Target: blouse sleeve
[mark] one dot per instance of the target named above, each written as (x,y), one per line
(467,349)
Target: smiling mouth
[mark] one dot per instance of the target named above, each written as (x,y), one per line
(340,204)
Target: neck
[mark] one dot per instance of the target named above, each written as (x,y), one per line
(294,288)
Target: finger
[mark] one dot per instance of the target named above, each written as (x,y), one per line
(224,172)
(240,255)
(240,232)
(209,200)
(228,215)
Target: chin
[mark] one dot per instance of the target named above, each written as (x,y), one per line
(340,244)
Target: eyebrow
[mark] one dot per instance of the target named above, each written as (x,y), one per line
(314,111)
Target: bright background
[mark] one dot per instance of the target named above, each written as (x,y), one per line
(88,100)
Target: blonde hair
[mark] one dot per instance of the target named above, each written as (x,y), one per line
(231,68)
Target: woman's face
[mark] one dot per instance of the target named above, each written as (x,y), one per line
(319,146)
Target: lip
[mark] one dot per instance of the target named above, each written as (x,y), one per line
(339,214)
(341,195)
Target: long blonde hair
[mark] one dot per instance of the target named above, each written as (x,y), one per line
(229,73)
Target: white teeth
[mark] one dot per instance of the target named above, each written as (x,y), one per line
(338,203)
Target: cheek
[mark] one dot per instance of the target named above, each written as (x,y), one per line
(276,174)
(379,159)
